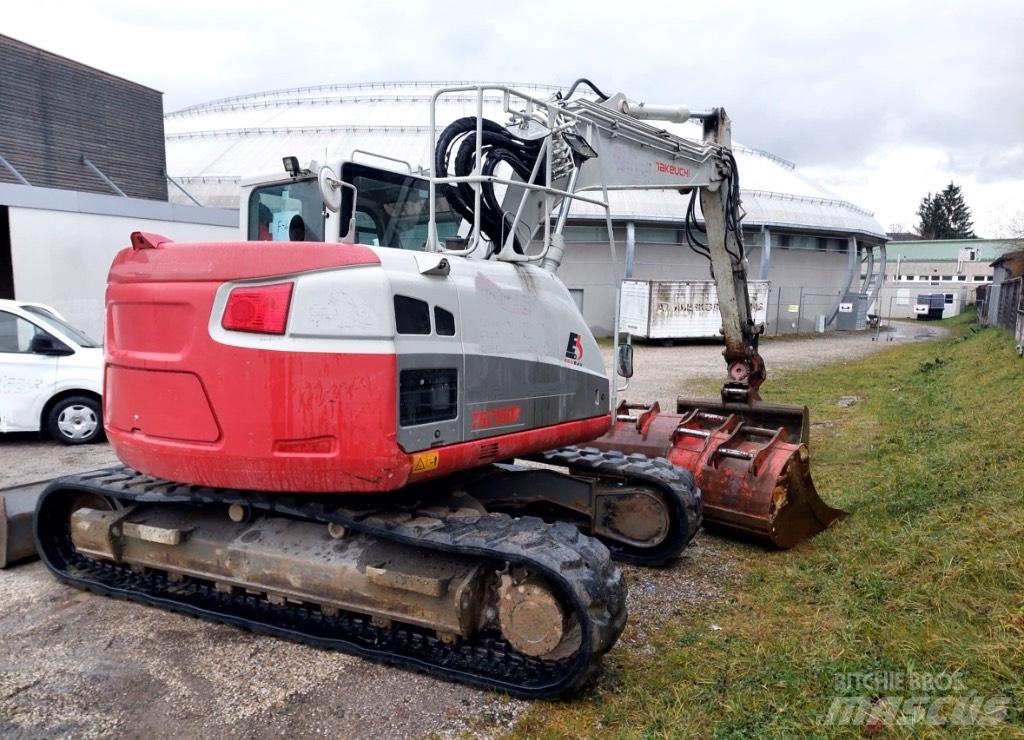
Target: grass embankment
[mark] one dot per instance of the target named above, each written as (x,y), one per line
(925,576)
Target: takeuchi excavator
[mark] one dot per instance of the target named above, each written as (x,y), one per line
(322,427)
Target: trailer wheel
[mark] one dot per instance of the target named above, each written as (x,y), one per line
(76,420)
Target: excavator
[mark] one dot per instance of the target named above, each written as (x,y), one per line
(328,429)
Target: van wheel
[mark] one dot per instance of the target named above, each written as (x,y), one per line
(76,420)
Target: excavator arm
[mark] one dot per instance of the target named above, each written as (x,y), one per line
(745,368)
(749,458)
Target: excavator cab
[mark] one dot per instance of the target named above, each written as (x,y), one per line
(391,208)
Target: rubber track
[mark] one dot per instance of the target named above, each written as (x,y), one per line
(675,483)
(579,565)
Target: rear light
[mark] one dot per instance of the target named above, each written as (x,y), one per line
(262,309)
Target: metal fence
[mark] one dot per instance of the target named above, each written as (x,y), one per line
(1002,305)
(800,310)
(1009,305)
(803,310)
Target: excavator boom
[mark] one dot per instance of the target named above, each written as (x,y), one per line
(749,458)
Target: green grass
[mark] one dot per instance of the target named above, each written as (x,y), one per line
(925,576)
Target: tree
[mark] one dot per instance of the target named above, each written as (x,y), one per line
(945,215)
(932,217)
(958,213)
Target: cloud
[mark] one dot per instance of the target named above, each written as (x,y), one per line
(831,86)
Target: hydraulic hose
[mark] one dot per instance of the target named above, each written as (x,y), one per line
(455,154)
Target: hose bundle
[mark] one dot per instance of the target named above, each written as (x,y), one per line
(733,217)
(456,149)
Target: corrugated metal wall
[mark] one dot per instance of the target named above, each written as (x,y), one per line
(54,111)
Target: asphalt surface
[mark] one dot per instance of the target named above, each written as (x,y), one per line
(78,665)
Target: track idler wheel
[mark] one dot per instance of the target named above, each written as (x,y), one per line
(532,619)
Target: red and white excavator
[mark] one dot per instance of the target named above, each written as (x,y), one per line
(320,434)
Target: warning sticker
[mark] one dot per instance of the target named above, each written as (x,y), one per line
(424,461)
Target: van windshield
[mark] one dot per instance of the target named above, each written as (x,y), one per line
(77,336)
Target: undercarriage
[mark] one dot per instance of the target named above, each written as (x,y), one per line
(444,581)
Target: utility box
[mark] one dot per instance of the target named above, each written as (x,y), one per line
(853,312)
(680,309)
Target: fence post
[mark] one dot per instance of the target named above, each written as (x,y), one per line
(778,306)
(799,310)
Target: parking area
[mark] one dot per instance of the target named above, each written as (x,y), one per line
(80,665)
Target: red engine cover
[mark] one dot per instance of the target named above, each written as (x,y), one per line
(182,406)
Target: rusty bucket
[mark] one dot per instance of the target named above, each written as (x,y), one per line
(755,479)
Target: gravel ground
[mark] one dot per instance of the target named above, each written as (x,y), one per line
(78,665)
(662,373)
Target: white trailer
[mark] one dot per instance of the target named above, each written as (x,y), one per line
(680,309)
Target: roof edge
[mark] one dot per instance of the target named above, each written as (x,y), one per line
(76,201)
(77,63)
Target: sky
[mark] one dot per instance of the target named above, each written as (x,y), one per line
(880,102)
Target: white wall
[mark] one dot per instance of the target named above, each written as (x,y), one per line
(896,299)
(61,258)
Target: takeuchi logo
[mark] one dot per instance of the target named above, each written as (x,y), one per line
(673,169)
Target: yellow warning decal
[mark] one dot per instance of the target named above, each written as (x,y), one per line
(424,461)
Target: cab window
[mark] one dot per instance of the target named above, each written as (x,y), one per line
(16,334)
(289,211)
(393,209)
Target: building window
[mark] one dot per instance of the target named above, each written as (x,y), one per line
(822,244)
(978,278)
(961,278)
(949,299)
(658,235)
(947,278)
(577,297)
(595,234)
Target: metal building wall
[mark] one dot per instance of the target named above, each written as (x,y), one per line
(54,112)
(62,242)
(804,284)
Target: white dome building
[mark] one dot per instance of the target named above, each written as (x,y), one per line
(816,249)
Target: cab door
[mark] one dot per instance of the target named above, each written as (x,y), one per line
(27,379)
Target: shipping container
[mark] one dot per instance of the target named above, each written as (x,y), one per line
(680,309)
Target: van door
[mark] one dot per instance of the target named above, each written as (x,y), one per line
(27,380)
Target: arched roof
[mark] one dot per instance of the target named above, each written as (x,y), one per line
(211,145)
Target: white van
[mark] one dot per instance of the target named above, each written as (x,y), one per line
(51,375)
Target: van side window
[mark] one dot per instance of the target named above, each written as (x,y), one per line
(16,333)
